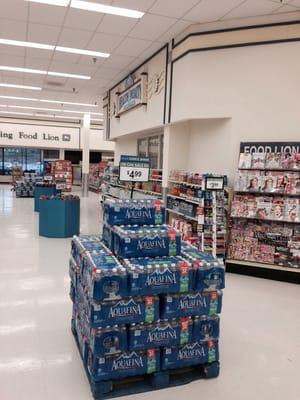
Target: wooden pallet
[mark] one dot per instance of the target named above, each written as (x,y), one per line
(145,383)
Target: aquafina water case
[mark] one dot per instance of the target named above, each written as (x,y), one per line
(190,354)
(108,340)
(209,271)
(206,327)
(161,333)
(159,275)
(134,212)
(123,365)
(104,276)
(146,241)
(191,304)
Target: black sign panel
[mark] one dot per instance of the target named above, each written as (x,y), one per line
(270,147)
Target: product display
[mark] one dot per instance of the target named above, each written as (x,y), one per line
(25,187)
(266,209)
(63,174)
(96,175)
(199,213)
(143,305)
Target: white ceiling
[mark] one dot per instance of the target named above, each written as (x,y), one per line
(130,41)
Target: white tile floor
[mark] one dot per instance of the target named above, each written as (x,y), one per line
(260,342)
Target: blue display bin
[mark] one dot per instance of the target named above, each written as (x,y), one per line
(59,218)
(47,191)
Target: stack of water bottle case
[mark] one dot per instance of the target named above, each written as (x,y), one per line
(144,302)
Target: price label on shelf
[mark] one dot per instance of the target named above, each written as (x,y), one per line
(134,169)
(214,183)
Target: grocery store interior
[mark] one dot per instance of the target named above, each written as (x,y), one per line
(149,199)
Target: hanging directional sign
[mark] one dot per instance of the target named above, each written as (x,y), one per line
(134,169)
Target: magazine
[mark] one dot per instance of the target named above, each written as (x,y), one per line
(278,209)
(264,207)
(245,160)
(292,210)
(273,160)
(258,160)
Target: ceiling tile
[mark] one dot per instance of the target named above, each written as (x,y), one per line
(166,7)
(104,42)
(151,27)
(73,68)
(175,30)
(36,63)
(66,58)
(106,73)
(295,3)
(149,51)
(11,50)
(252,8)
(212,10)
(10,29)
(285,9)
(88,60)
(74,38)
(140,5)
(116,25)
(46,15)
(82,20)
(12,60)
(14,9)
(132,47)
(43,34)
(36,53)
(117,61)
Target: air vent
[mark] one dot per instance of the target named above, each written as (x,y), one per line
(53,83)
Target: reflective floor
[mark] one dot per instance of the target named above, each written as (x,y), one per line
(260,342)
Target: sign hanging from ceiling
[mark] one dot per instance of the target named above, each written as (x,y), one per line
(133,96)
(38,136)
(134,169)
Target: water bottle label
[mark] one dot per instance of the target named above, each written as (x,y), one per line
(213,306)
(151,361)
(149,309)
(211,352)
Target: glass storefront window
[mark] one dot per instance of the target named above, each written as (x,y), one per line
(152,147)
(13,157)
(27,159)
(33,160)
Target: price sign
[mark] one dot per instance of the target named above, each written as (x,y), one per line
(48,177)
(134,169)
(214,183)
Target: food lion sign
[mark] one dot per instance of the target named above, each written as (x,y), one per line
(133,96)
(39,136)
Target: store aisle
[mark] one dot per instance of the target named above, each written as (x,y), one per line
(260,341)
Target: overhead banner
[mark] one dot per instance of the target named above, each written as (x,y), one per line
(21,135)
(270,147)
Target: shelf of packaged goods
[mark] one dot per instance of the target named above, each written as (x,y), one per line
(117,185)
(181,214)
(266,219)
(111,195)
(267,193)
(270,169)
(263,265)
(187,199)
(148,192)
(153,179)
(197,186)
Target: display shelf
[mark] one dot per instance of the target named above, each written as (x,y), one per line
(270,169)
(181,214)
(263,265)
(267,193)
(188,199)
(194,185)
(147,192)
(284,221)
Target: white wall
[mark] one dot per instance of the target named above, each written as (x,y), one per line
(257,86)
(126,146)
(97,141)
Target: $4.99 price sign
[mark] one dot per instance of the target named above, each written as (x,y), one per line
(134,169)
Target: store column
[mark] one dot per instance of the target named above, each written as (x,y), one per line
(85,137)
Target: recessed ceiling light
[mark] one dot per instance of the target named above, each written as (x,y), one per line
(70,103)
(42,72)
(81,51)
(105,9)
(8,85)
(63,3)
(27,44)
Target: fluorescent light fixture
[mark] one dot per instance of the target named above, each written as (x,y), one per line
(27,44)
(70,103)
(15,112)
(8,85)
(105,9)
(68,75)
(18,98)
(62,3)
(48,109)
(81,51)
(42,72)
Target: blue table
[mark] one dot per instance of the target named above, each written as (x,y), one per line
(59,218)
(47,191)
